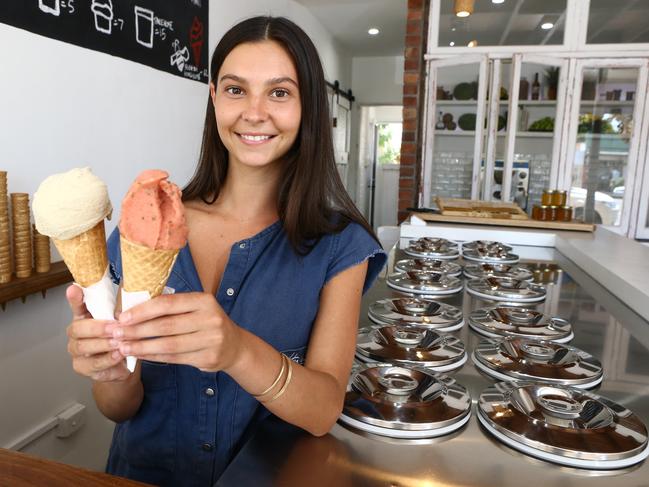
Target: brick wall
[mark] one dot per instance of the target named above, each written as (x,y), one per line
(413,97)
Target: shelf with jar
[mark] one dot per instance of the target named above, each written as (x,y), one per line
(502,133)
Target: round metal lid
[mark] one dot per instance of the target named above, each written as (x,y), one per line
(483,270)
(512,358)
(563,425)
(411,345)
(520,322)
(486,245)
(495,255)
(437,248)
(506,289)
(429,283)
(418,312)
(429,265)
(405,402)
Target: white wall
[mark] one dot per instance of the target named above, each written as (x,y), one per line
(62,106)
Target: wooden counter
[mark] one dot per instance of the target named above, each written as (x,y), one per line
(23,470)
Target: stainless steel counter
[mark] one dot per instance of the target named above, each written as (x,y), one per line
(279,454)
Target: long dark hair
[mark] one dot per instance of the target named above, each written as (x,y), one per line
(312,200)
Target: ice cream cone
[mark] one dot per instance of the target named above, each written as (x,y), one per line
(145,269)
(85,255)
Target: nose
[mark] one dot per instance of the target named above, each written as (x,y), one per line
(255,110)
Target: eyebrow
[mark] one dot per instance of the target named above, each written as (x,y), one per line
(272,81)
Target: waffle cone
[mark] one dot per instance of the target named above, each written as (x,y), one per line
(145,269)
(85,255)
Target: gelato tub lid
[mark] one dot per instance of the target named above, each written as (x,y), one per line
(429,265)
(438,248)
(405,402)
(506,289)
(429,283)
(487,245)
(486,269)
(416,311)
(520,322)
(411,345)
(491,254)
(512,358)
(563,425)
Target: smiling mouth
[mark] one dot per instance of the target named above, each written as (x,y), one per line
(255,138)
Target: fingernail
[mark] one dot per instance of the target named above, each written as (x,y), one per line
(124,317)
(125,349)
(118,333)
(116,354)
(114,343)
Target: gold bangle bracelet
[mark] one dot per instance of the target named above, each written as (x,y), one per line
(276,381)
(288,380)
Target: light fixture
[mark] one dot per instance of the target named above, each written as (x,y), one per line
(472,43)
(497,1)
(463,8)
(373,31)
(547,25)
(451,43)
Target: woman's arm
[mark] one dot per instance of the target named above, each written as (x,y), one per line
(117,393)
(192,329)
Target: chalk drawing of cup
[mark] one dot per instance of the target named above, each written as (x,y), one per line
(103,11)
(144,26)
(50,6)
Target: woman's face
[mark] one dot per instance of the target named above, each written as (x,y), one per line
(257,103)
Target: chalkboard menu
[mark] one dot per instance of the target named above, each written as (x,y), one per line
(167,35)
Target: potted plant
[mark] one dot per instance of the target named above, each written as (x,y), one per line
(552,79)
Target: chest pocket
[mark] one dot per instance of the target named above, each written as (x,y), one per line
(297,355)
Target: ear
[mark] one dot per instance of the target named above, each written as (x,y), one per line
(213,93)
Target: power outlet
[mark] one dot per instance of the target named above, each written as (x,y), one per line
(71,420)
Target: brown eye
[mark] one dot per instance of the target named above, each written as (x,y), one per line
(234,90)
(279,93)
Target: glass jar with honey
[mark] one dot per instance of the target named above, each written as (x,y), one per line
(558,198)
(546,197)
(564,213)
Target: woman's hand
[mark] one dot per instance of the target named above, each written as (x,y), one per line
(184,328)
(94,352)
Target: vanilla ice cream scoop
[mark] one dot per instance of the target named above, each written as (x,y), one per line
(70,203)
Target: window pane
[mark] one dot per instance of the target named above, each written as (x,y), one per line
(511,23)
(603,137)
(621,21)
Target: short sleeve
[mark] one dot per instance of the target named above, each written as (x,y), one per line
(353,246)
(114,257)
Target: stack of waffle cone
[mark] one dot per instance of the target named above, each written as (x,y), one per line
(41,252)
(5,242)
(85,255)
(22,237)
(145,269)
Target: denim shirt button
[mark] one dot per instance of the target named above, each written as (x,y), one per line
(242,245)
(230,292)
(207,447)
(209,391)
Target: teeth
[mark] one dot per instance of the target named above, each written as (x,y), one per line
(255,137)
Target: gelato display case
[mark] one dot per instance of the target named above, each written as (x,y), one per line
(555,388)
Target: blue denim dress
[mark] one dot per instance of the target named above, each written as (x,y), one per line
(192,423)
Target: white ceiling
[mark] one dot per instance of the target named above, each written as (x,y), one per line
(349,20)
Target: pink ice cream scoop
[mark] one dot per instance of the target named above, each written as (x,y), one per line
(152,212)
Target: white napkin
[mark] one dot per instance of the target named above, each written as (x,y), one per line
(100,298)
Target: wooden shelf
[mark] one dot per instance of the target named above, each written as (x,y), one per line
(608,103)
(22,287)
(502,133)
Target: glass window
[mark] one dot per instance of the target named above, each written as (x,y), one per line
(603,137)
(621,21)
(506,23)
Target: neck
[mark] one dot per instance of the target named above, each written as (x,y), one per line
(248,194)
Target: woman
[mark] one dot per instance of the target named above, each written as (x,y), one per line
(266,303)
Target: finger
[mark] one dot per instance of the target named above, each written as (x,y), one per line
(103,361)
(118,372)
(74,295)
(189,358)
(166,304)
(89,328)
(158,327)
(92,346)
(173,344)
